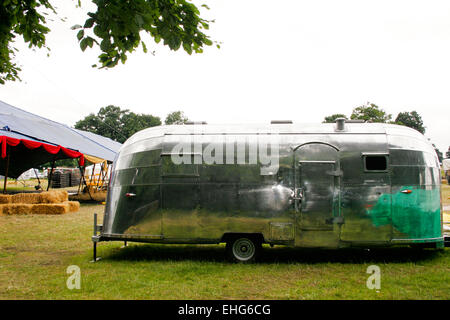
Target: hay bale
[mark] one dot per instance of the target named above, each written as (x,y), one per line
(29,198)
(16,208)
(54,196)
(50,208)
(63,195)
(5,198)
(74,206)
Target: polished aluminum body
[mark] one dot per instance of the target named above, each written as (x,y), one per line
(356,184)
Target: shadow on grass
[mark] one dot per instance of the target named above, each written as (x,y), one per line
(212,253)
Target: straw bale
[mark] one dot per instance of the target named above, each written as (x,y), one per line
(16,208)
(29,198)
(74,206)
(50,208)
(41,208)
(5,198)
(54,196)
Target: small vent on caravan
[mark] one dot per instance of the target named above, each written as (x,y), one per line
(340,123)
(281,122)
(195,122)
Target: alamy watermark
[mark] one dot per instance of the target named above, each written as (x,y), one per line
(374,280)
(260,149)
(74,280)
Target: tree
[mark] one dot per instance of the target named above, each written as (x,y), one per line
(66,163)
(115,27)
(133,123)
(370,112)
(20,18)
(176,117)
(333,117)
(447,154)
(411,119)
(117,124)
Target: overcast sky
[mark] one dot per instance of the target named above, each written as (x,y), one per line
(299,60)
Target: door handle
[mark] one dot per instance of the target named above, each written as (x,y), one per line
(298,194)
(130,195)
(297,197)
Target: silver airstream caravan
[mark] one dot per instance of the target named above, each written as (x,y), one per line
(328,185)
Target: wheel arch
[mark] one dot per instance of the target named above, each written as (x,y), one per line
(226,237)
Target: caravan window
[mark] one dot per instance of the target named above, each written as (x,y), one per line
(375,162)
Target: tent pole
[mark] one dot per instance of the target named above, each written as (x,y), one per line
(81,179)
(7,167)
(92,174)
(99,176)
(51,173)
(104,170)
(35,173)
(87,187)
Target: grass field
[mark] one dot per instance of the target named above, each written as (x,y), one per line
(35,252)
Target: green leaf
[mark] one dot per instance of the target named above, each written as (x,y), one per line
(139,20)
(90,42)
(80,34)
(83,44)
(105,45)
(144,47)
(89,23)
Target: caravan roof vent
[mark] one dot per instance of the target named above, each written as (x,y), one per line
(340,124)
(355,121)
(195,122)
(281,122)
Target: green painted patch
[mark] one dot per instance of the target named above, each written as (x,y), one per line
(416,215)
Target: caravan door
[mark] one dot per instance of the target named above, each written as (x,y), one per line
(317,179)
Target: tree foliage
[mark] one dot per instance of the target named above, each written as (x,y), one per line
(117,124)
(66,163)
(370,112)
(333,117)
(411,119)
(23,18)
(373,113)
(115,28)
(176,117)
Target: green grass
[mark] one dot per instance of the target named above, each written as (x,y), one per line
(15,186)
(35,252)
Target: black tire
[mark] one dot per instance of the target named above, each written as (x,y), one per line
(243,249)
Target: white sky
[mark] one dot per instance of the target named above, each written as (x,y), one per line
(299,60)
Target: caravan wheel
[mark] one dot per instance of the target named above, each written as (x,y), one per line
(243,249)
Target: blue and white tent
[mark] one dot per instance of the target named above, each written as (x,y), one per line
(19,124)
